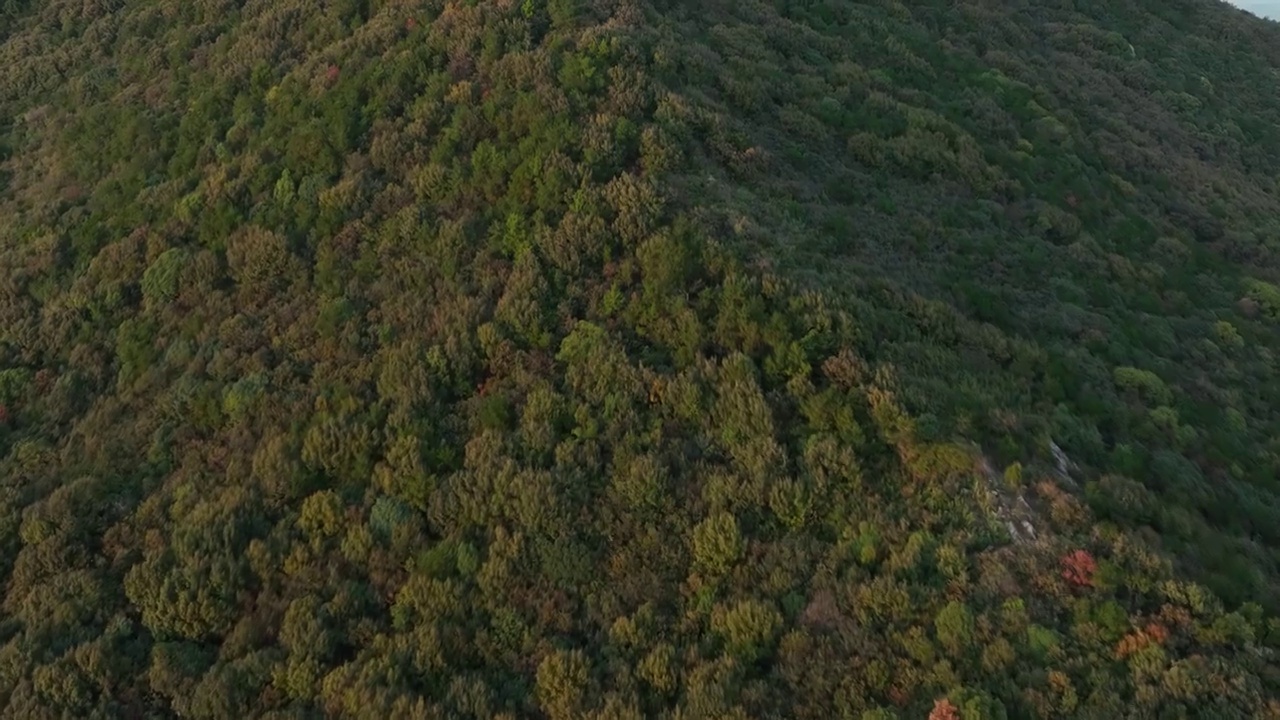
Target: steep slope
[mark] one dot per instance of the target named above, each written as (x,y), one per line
(475,359)
(1056,223)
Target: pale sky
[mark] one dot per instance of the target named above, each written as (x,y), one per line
(1265,8)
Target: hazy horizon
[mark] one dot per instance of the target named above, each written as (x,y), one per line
(1265,8)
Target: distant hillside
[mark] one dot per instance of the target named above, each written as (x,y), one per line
(639,358)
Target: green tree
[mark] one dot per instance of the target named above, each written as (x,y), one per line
(748,628)
(717,543)
(954,627)
(562,683)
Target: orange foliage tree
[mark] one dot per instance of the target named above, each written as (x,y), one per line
(944,710)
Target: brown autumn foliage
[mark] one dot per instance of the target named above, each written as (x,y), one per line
(637,358)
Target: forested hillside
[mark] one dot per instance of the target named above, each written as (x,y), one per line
(639,358)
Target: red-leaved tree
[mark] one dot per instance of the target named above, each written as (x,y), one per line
(1078,568)
(944,710)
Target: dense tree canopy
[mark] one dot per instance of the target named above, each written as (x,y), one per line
(639,358)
